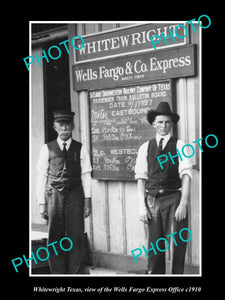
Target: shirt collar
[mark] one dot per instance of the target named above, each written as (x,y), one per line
(165,138)
(61,142)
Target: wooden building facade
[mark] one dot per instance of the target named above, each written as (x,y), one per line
(114,228)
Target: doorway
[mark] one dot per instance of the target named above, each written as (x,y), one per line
(56,87)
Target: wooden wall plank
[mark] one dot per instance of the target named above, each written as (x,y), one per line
(99,215)
(115,216)
(195,218)
(37,132)
(134,228)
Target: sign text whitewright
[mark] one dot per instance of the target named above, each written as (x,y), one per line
(163,64)
(127,40)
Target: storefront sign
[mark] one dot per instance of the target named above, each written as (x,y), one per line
(127,40)
(163,64)
(119,126)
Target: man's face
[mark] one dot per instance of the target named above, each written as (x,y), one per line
(63,129)
(162,124)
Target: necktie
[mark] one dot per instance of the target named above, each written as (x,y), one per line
(160,144)
(64,153)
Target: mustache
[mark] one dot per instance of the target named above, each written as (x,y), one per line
(65,133)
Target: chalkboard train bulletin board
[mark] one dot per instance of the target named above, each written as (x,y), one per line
(119,126)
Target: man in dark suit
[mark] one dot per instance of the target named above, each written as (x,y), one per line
(64,195)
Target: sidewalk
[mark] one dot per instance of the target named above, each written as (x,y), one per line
(101,264)
(94,271)
(104,272)
(99,271)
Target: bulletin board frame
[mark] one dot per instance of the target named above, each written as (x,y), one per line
(117,133)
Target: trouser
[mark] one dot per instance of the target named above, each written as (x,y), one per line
(66,219)
(161,224)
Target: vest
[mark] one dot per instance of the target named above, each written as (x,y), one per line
(60,177)
(166,178)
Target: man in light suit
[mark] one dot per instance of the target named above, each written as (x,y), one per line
(163,193)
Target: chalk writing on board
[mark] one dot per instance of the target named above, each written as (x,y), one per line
(119,126)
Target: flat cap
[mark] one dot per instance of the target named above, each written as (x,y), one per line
(63,115)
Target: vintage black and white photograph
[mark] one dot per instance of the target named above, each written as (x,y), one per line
(115,148)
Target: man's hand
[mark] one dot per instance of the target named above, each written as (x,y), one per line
(87,207)
(43,211)
(181,211)
(145,218)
